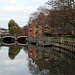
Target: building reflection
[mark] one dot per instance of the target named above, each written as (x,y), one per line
(31,52)
(13,52)
(45,62)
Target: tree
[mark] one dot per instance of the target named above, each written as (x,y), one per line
(14,28)
(62,15)
(10,24)
(13,52)
(44,10)
(25,29)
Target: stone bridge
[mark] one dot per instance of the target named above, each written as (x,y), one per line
(12,38)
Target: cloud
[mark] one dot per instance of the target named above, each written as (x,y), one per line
(12,2)
(19,9)
(8,1)
(4,19)
(11,9)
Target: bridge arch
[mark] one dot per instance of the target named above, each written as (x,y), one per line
(8,36)
(8,40)
(21,40)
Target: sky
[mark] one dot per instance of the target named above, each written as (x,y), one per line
(18,10)
(17,66)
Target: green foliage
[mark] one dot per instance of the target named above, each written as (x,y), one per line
(14,28)
(13,52)
(71,36)
(67,35)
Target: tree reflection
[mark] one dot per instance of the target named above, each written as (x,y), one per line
(13,52)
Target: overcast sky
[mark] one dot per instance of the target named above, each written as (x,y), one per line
(18,10)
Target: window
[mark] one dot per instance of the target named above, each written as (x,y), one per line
(45,54)
(36,52)
(36,26)
(52,31)
(45,30)
(30,53)
(46,25)
(52,59)
(30,28)
(37,57)
(30,33)
(30,49)
(36,31)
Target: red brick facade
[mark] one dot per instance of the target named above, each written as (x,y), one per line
(31,30)
(31,53)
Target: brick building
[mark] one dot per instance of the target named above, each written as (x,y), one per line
(34,30)
(31,28)
(31,52)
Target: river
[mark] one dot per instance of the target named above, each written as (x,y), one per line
(35,60)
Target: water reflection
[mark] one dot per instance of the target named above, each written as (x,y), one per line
(25,48)
(35,60)
(17,66)
(13,52)
(45,62)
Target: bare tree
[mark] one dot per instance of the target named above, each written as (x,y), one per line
(44,10)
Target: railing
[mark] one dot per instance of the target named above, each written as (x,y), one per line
(67,43)
(57,39)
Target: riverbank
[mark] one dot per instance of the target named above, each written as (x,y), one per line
(62,42)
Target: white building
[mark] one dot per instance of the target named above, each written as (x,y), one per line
(4,31)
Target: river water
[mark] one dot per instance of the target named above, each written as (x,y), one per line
(35,60)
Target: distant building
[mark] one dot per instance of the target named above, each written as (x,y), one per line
(25,30)
(21,28)
(4,31)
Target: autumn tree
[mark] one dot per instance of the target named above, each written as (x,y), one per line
(59,16)
(62,14)
(39,18)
